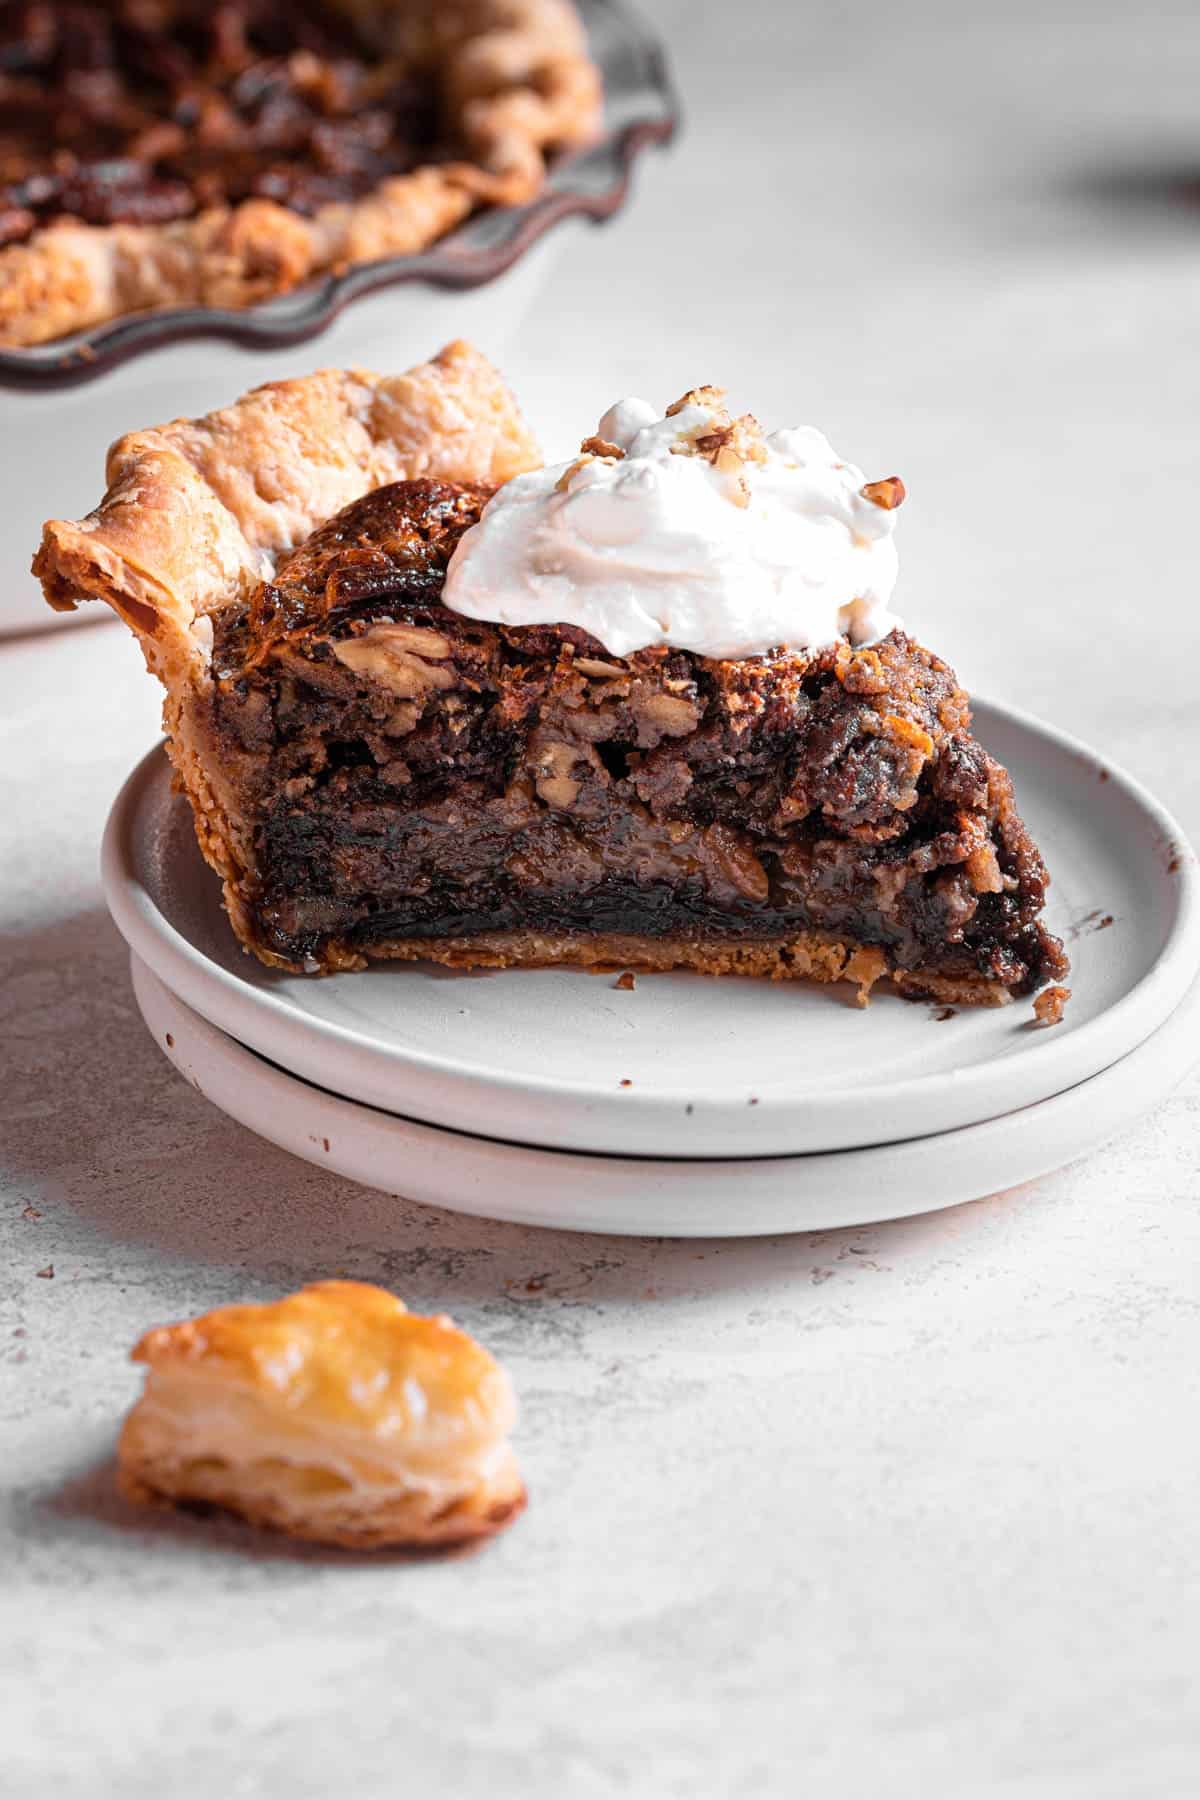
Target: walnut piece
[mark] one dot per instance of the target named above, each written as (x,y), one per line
(554,782)
(598,446)
(418,638)
(729,444)
(712,397)
(387,655)
(591,665)
(888,493)
(670,714)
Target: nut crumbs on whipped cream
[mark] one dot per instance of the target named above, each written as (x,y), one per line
(696,530)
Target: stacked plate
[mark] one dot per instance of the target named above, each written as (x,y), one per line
(683,1105)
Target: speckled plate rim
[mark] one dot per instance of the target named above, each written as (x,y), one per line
(566,1191)
(640,110)
(585,1113)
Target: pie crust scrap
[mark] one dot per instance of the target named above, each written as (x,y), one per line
(334,1415)
(373,775)
(158,153)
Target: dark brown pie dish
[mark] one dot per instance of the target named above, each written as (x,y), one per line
(375,776)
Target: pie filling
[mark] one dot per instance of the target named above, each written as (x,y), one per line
(145,111)
(413,775)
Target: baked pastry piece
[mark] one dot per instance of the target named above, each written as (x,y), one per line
(334,1414)
(376,775)
(191,153)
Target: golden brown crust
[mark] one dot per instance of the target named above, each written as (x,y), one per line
(198,510)
(516,80)
(333,1415)
(799,956)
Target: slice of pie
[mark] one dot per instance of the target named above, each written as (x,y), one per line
(648,709)
(184,152)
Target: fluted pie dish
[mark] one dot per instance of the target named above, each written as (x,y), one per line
(334,1415)
(378,773)
(186,154)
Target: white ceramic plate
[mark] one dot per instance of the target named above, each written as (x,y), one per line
(683,1198)
(715,1067)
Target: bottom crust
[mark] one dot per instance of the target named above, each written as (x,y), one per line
(798,956)
(353,1520)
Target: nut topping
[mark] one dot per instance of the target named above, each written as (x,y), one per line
(712,397)
(598,446)
(888,493)
(729,445)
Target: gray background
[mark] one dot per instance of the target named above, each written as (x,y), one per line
(906,1510)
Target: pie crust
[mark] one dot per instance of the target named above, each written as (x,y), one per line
(516,83)
(198,512)
(372,775)
(334,1415)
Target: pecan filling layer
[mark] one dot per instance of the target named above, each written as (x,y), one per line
(150,110)
(412,773)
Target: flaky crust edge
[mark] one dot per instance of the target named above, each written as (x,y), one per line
(412,1521)
(198,511)
(518,81)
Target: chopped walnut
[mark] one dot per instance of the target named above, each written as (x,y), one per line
(713,397)
(602,671)
(420,639)
(729,444)
(386,654)
(598,446)
(553,778)
(1051,1004)
(888,493)
(626,982)
(669,715)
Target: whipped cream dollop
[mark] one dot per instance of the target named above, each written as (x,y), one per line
(694,530)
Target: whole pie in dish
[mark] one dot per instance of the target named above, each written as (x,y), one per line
(158,153)
(334,1414)
(378,769)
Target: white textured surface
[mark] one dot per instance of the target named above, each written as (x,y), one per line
(903,1511)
